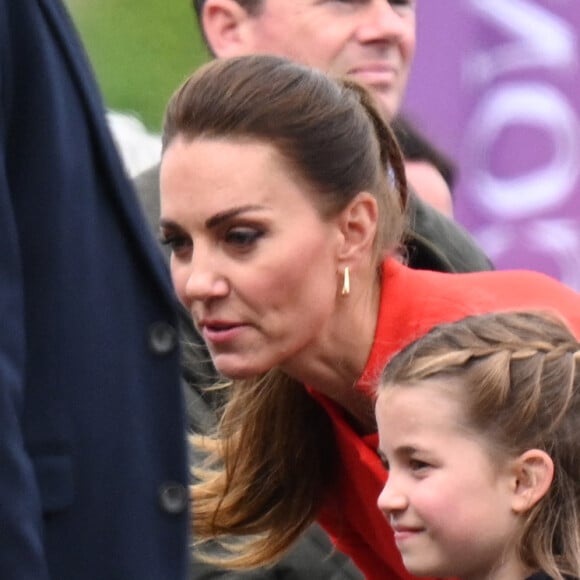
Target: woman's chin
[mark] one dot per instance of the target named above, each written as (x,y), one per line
(237,370)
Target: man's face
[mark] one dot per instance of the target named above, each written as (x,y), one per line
(370,40)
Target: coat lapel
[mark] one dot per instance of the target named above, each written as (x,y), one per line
(77,61)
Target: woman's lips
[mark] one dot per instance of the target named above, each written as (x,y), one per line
(221,332)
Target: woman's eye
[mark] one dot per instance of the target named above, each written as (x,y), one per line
(243,236)
(175,243)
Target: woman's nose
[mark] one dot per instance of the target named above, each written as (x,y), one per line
(199,279)
(205,281)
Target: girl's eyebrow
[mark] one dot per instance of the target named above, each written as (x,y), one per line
(404,450)
(226,215)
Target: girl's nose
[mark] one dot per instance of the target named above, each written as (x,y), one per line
(392,498)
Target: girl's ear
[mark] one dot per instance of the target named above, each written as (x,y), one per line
(358,227)
(533,473)
(226,25)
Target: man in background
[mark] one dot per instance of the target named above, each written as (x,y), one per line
(431,171)
(93,472)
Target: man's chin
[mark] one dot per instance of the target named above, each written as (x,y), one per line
(387,102)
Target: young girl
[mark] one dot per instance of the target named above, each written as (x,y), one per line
(478,425)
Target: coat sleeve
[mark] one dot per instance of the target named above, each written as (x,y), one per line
(21,549)
(435,242)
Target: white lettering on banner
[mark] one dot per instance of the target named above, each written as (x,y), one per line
(530,105)
(559,239)
(519,83)
(541,40)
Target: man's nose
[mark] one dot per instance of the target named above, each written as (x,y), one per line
(380,23)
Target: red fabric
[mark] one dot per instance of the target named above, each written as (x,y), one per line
(412,302)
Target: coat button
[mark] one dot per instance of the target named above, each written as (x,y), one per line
(173,497)
(162,338)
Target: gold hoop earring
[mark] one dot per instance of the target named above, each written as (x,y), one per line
(345,282)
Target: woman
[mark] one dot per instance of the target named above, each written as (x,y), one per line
(281,199)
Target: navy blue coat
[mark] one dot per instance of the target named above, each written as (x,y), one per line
(92,450)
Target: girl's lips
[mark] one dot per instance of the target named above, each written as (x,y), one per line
(403,534)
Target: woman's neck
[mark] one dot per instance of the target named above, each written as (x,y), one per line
(333,364)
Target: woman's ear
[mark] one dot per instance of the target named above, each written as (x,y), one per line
(225,25)
(358,224)
(533,473)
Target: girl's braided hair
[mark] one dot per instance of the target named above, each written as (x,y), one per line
(520,378)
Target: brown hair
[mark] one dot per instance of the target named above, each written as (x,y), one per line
(274,456)
(520,380)
(334,144)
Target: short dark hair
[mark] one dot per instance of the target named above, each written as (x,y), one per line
(251,6)
(416,147)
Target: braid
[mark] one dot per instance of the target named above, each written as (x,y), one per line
(520,336)
(519,375)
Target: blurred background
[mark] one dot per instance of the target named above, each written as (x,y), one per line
(140,50)
(494,85)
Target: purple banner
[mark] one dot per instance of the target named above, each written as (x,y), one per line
(496,85)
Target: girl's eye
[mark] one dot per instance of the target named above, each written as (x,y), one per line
(243,236)
(417,465)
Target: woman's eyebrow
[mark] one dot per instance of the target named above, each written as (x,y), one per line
(226,215)
(168,224)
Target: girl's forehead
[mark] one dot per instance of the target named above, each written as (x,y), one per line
(438,387)
(430,403)
(429,400)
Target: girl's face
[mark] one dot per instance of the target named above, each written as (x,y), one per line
(447,499)
(252,260)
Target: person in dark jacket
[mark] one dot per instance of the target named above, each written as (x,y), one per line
(429,169)
(93,461)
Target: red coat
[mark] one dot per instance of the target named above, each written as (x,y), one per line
(412,302)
